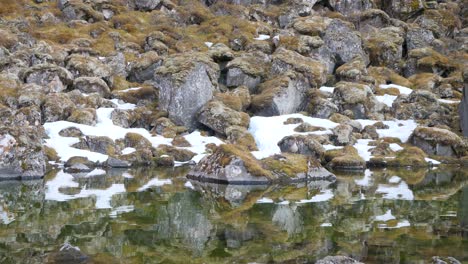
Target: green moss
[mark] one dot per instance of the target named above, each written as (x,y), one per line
(289,166)
(409,156)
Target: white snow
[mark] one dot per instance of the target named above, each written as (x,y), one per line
(326,225)
(130,89)
(120,210)
(399,192)
(268,131)
(362,146)
(264,200)
(385,217)
(445,101)
(433,161)
(209,44)
(154,182)
(402,89)
(262,37)
(6,217)
(403,223)
(96,172)
(394,179)
(127,151)
(367,180)
(283,203)
(327,89)
(127,175)
(6,141)
(386,99)
(401,129)
(189,185)
(395,147)
(64,180)
(198,143)
(323,196)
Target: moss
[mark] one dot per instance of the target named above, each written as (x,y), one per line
(51,154)
(240,136)
(409,156)
(346,158)
(135,140)
(289,42)
(339,118)
(290,165)
(438,135)
(252,165)
(383,75)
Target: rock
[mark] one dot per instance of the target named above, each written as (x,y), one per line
(370,132)
(230,164)
(240,136)
(347,7)
(302,144)
(122,118)
(100,144)
(463,112)
(181,155)
(79,160)
(442,22)
(246,70)
(313,72)
(402,9)
(306,127)
(337,260)
(293,120)
(220,52)
(164,161)
(54,77)
(180,141)
(68,254)
(218,117)
(342,135)
(418,37)
(164,126)
(8,40)
(86,116)
(186,83)
(355,97)
(437,141)
(87,66)
(92,85)
(296,167)
(285,94)
(57,106)
(21,152)
(343,43)
(137,141)
(147,5)
(71,132)
(408,157)
(154,43)
(140,157)
(143,69)
(238,99)
(353,71)
(385,47)
(321,108)
(117,163)
(346,158)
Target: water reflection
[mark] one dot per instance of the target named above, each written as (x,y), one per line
(156,216)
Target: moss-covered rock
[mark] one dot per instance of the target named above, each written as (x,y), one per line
(231,164)
(437,141)
(296,167)
(302,144)
(346,158)
(409,156)
(86,116)
(218,117)
(240,136)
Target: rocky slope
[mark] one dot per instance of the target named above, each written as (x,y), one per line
(218,84)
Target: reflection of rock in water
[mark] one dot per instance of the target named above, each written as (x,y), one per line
(234,194)
(235,238)
(288,218)
(463,214)
(184,218)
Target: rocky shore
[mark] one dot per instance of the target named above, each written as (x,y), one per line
(244,91)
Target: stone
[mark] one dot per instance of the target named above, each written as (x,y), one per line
(418,37)
(219,117)
(230,164)
(143,69)
(385,47)
(186,83)
(463,112)
(438,141)
(295,167)
(117,163)
(92,85)
(54,77)
(147,5)
(337,260)
(88,66)
(57,106)
(237,99)
(85,116)
(240,136)
(302,144)
(342,135)
(347,7)
(71,132)
(358,98)
(245,70)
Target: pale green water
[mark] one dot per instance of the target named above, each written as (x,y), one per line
(211,223)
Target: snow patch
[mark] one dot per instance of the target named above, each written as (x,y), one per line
(327,89)
(264,200)
(402,89)
(262,37)
(385,217)
(386,99)
(321,197)
(154,183)
(127,151)
(399,192)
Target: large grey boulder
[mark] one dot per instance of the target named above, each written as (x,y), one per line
(438,141)
(418,37)
(337,260)
(54,77)
(147,5)
(186,83)
(92,85)
(57,106)
(21,152)
(302,144)
(347,7)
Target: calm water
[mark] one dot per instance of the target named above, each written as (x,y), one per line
(142,216)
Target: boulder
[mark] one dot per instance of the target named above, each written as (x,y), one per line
(342,135)
(418,37)
(358,98)
(385,47)
(57,106)
(219,117)
(295,167)
(346,158)
(88,66)
(284,94)
(402,9)
(92,85)
(143,69)
(21,152)
(86,116)
(347,7)
(147,5)
(246,70)
(230,164)
(240,136)
(186,83)
(438,141)
(302,144)
(54,77)
(337,260)
(238,99)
